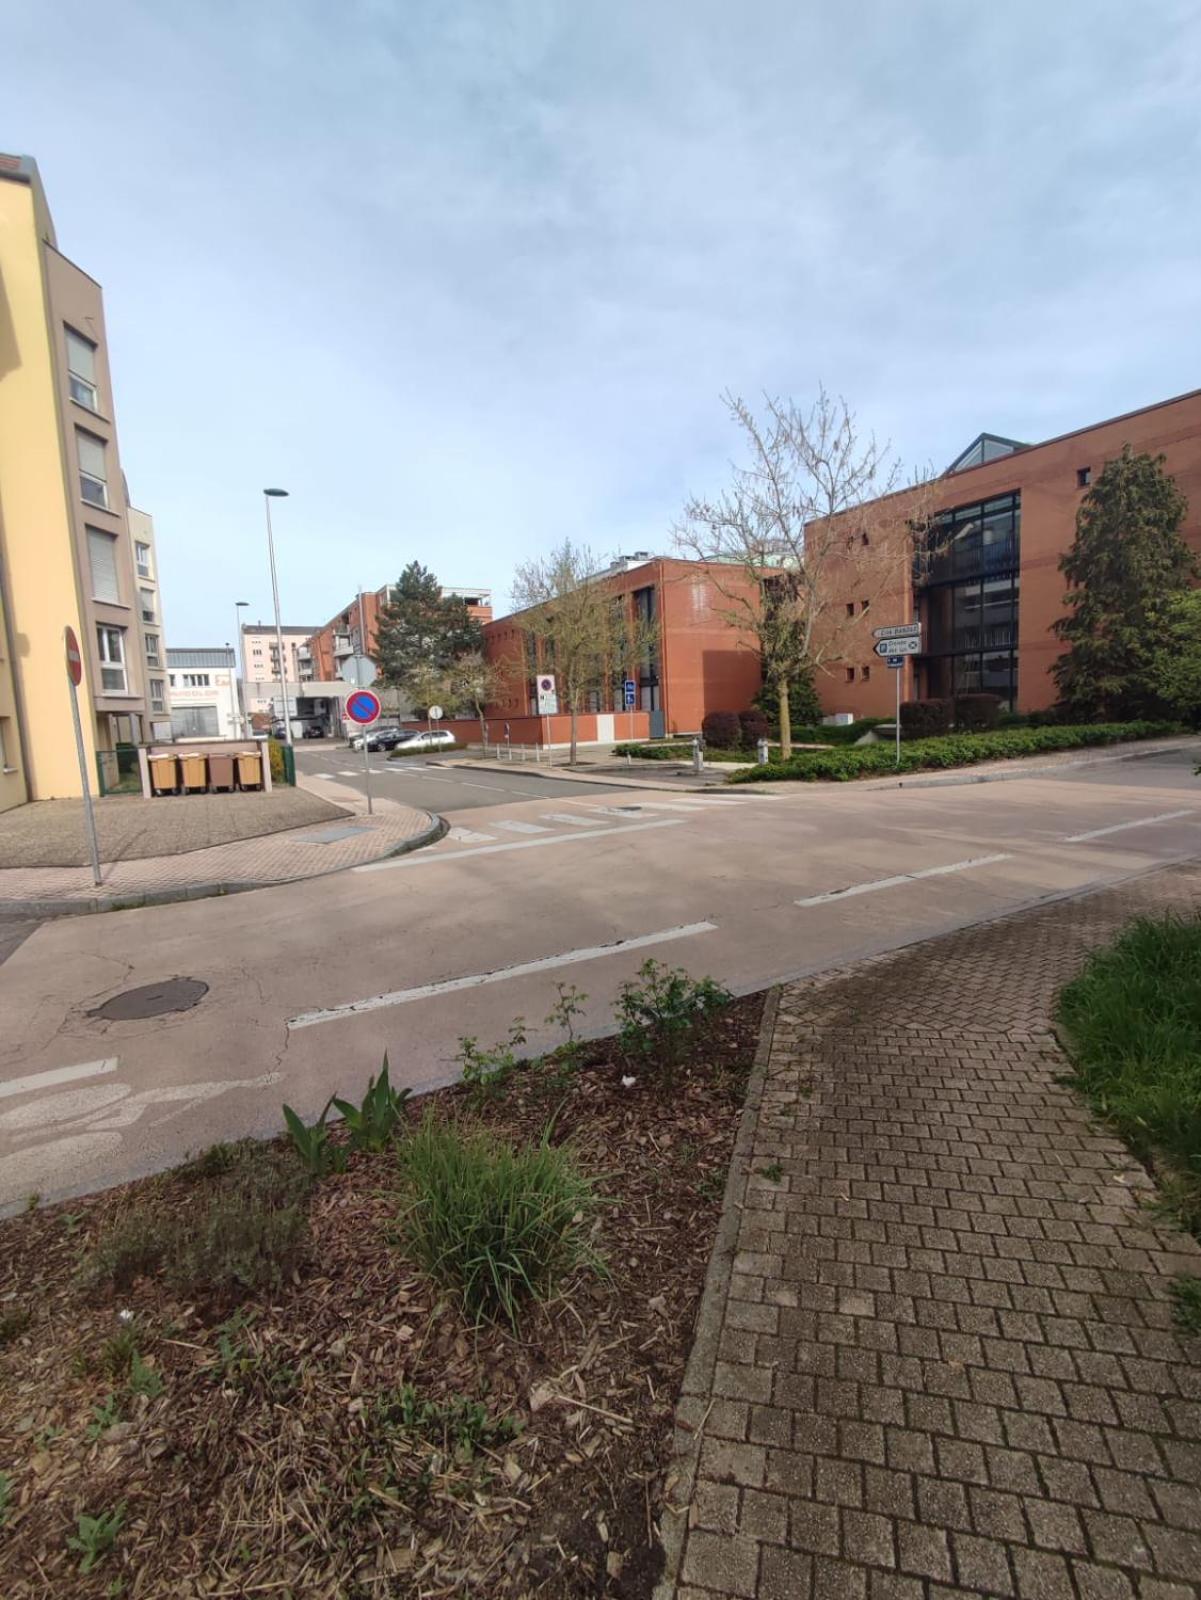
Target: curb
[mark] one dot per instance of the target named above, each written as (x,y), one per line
(134,901)
(568,775)
(702,1360)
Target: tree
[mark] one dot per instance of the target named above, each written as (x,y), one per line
(1175,673)
(420,631)
(583,632)
(809,526)
(477,682)
(1127,565)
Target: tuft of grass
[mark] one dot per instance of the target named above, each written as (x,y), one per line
(773,1172)
(96,1536)
(1185,1291)
(1132,1021)
(458,1427)
(497,1225)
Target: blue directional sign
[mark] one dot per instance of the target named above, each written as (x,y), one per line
(896,661)
(631,694)
(363,707)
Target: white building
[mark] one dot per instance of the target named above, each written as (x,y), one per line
(204,694)
(150,610)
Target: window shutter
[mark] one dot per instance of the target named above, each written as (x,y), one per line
(102,552)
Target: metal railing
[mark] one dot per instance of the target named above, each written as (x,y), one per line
(539,754)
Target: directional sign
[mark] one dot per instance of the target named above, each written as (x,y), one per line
(900,630)
(631,693)
(896,661)
(74,659)
(905,646)
(363,707)
(358,671)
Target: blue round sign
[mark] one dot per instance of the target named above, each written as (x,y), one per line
(363,707)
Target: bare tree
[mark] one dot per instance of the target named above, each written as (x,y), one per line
(583,631)
(477,682)
(807,535)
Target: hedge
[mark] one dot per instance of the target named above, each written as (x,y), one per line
(952,750)
(401,750)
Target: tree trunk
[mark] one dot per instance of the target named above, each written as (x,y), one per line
(785,720)
(483,726)
(574,716)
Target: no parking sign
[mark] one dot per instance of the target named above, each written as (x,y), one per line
(363,707)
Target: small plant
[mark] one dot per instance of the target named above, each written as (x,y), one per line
(373,1124)
(660,1014)
(496,1224)
(143,1379)
(70,1221)
(120,1350)
(6,1495)
(458,1427)
(33,1201)
(1185,1291)
(211,1163)
(773,1172)
(13,1324)
(96,1536)
(319,1156)
(485,1073)
(234,1356)
(712,1184)
(568,1006)
(106,1415)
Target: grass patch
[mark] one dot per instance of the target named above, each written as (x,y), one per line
(496,1224)
(1133,1025)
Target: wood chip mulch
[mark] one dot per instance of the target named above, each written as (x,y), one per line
(278,1459)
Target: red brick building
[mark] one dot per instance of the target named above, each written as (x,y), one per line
(352,631)
(989,601)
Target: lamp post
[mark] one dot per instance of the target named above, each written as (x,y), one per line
(240,729)
(268,496)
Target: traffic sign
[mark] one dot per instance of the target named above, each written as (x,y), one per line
(358,671)
(363,707)
(899,630)
(434,714)
(896,661)
(909,645)
(74,659)
(631,693)
(548,698)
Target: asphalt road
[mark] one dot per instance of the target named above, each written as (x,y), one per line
(309,983)
(416,782)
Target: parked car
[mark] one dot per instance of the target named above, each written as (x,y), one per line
(386,738)
(433,739)
(312,730)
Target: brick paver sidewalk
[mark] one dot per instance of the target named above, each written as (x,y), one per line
(937,1355)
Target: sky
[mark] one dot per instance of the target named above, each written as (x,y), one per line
(468,277)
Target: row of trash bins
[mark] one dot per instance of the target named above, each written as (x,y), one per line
(170,774)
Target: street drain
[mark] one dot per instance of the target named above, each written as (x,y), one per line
(152,1000)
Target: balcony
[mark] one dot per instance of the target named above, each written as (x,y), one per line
(342,645)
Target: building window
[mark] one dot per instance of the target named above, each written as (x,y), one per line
(970,602)
(850,674)
(111,641)
(194,722)
(1084,476)
(865,673)
(196,680)
(850,608)
(158,699)
(102,557)
(81,370)
(142,552)
(147,598)
(152,655)
(93,473)
(863,605)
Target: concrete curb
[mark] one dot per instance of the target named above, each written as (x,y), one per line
(133,901)
(698,1375)
(567,775)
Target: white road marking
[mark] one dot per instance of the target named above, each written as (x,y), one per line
(1139,822)
(46,1080)
(431,857)
(466,836)
(574,821)
(522,827)
(426,991)
(356,773)
(900,877)
(616,811)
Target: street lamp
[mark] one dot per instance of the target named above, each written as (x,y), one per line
(268,496)
(240,729)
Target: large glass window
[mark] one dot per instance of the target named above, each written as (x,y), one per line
(81,370)
(102,557)
(93,471)
(111,642)
(970,601)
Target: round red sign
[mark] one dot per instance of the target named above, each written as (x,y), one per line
(74,658)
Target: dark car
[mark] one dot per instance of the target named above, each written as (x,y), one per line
(381,738)
(312,730)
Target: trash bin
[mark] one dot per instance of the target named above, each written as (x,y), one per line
(164,774)
(221,772)
(195,772)
(250,770)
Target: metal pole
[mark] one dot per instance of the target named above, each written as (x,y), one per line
(279,632)
(900,670)
(367,771)
(366,731)
(233,694)
(239,721)
(89,814)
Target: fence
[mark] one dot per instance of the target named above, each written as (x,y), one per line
(118,771)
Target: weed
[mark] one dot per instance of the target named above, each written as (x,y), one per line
(13,1324)
(495,1223)
(47,1435)
(660,1014)
(119,1351)
(144,1380)
(104,1416)
(234,1356)
(373,1124)
(6,1495)
(319,1156)
(70,1221)
(773,1172)
(485,1073)
(712,1184)
(96,1536)
(33,1201)
(1185,1291)
(211,1163)
(457,1427)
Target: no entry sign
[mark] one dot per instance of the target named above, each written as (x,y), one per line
(74,659)
(363,707)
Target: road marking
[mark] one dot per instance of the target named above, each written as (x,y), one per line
(427,858)
(466,836)
(573,821)
(522,827)
(1139,822)
(358,773)
(627,812)
(900,877)
(47,1080)
(400,997)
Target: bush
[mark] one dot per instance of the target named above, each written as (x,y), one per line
(655,752)
(953,750)
(429,750)
(836,733)
(722,730)
(754,726)
(498,1225)
(923,719)
(660,1014)
(977,713)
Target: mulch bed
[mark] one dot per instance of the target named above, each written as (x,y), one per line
(277,1460)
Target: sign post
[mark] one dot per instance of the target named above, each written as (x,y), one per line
(894,643)
(362,707)
(75,678)
(630,695)
(548,704)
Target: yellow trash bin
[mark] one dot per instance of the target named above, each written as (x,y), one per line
(195,772)
(164,774)
(250,770)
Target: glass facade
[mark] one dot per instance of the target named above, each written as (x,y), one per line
(970,602)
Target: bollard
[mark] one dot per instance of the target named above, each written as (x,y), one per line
(762,751)
(698,757)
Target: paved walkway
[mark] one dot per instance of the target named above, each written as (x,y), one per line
(936,1353)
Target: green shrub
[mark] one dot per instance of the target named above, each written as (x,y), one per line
(952,750)
(753,726)
(495,1224)
(843,733)
(659,1014)
(402,750)
(923,719)
(485,1073)
(373,1123)
(654,752)
(722,730)
(277,761)
(977,713)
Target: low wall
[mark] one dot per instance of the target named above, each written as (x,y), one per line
(592,727)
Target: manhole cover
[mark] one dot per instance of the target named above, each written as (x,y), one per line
(152,1000)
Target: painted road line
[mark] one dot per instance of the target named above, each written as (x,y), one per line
(1139,822)
(899,878)
(467,836)
(57,1075)
(522,827)
(572,821)
(569,958)
(426,858)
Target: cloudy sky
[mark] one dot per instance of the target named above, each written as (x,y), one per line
(467,276)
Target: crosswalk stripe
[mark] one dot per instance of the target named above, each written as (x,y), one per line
(466,836)
(522,827)
(562,816)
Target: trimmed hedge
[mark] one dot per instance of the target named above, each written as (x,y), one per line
(977,713)
(424,750)
(722,730)
(755,726)
(952,750)
(922,719)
